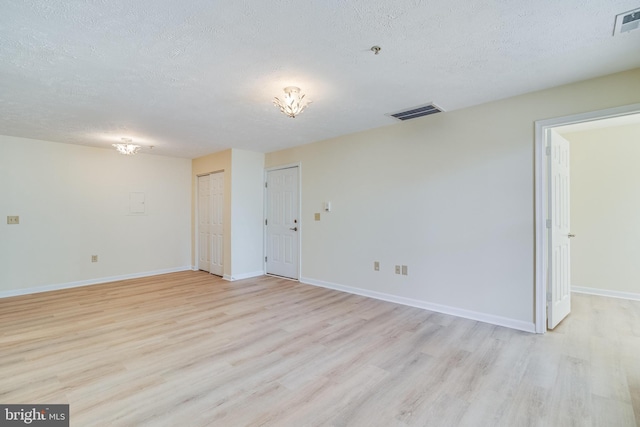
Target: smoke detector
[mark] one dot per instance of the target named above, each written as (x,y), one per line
(627,21)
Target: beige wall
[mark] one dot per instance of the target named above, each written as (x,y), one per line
(605,209)
(73,202)
(449,195)
(247,213)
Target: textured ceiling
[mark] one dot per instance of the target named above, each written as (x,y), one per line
(193,77)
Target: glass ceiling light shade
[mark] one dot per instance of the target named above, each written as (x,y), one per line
(293,103)
(126,147)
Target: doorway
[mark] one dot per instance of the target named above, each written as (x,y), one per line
(210,223)
(282,222)
(546,199)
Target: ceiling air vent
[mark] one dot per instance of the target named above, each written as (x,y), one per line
(627,21)
(415,112)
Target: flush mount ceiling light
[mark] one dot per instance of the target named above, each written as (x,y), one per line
(293,103)
(126,147)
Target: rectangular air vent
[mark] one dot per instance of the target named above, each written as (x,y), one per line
(627,21)
(415,112)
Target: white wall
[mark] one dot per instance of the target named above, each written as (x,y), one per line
(449,195)
(605,209)
(73,202)
(247,214)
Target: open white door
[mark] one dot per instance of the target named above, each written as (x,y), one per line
(282,225)
(559,279)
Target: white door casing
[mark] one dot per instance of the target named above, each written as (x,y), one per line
(559,292)
(282,223)
(210,223)
(542,200)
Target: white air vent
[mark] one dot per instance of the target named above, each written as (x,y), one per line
(415,112)
(627,21)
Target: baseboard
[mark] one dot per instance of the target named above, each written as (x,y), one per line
(57,287)
(233,278)
(454,311)
(605,293)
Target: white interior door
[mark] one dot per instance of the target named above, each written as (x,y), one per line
(559,279)
(216,227)
(282,224)
(204,223)
(210,223)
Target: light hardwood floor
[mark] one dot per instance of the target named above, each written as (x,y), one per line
(189,349)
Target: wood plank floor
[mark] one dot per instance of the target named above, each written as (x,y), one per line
(189,349)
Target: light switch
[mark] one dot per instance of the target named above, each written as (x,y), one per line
(317,216)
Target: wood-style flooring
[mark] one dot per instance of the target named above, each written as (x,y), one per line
(189,349)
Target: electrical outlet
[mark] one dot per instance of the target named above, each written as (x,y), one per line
(94,258)
(397,269)
(13,220)
(404,270)
(376,265)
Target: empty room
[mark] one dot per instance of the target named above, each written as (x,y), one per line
(408,213)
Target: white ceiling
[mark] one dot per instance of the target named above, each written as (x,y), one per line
(193,77)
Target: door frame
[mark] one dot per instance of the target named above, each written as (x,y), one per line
(542,200)
(264,210)
(196,245)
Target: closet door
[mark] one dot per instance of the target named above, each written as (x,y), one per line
(210,223)
(216,225)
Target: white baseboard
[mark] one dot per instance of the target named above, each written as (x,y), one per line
(454,311)
(242,276)
(605,293)
(59,286)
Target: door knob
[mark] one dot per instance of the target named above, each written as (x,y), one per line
(571,235)
(294,229)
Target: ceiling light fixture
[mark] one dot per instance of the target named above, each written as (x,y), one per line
(126,147)
(293,103)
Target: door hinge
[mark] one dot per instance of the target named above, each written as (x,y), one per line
(548,296)
(265,222)
(548,223)
(265,185)
(548,150)
(265,259)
